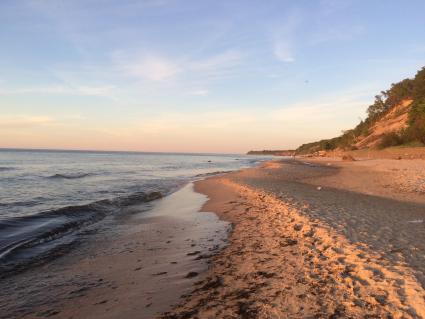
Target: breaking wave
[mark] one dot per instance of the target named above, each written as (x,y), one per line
(29,238)
(69,176)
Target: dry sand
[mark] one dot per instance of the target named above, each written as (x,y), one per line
(398,179)
(316,241)
(396,152)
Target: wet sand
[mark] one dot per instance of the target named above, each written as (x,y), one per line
(135,267)
(316,240)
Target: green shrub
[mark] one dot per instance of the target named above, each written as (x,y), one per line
(419,85)
(329,146)
(390,139)
(417,129)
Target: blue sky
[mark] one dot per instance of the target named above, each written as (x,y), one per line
(201,76)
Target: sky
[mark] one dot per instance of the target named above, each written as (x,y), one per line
(198,76)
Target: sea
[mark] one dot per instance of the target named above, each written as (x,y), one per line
(47,197)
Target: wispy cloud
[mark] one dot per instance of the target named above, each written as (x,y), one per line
(328,7)
(105,91)
(201,92)
(219,66)
(54,89)
(225,59)
(319,113)
(149,67)
(153,71)
(287,126)
(17,121)
(195,123)
(343,33)
(302,121)
(283,50)
(301,29)
(283,38)
(156,67)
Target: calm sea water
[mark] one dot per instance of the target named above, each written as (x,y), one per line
(46,197)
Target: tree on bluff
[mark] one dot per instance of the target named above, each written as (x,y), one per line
(419,86)
(377,108)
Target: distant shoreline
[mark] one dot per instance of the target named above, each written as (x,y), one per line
(273,152)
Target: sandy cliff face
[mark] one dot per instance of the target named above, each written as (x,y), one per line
(394,121)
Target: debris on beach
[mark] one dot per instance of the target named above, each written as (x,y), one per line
(348,158)
(416,221)
(191,274)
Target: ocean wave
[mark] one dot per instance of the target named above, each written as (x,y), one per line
(4,168)
(70,176)
(135,198)
(19,203)
(20,236)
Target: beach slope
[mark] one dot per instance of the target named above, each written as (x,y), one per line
(308,243)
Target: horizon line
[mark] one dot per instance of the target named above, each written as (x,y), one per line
(22,149)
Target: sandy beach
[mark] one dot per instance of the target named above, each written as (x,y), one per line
(305,238)
(316,239)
